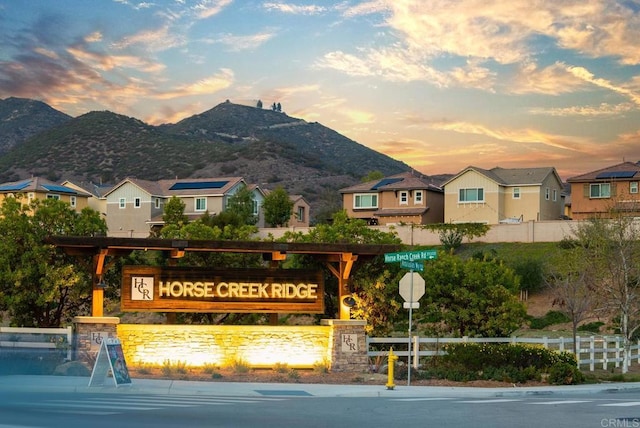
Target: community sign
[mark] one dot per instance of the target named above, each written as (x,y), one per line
(180,289)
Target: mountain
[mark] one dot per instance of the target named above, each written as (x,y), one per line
(22,118)
(266,147)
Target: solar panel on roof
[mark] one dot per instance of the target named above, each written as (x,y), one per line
(385,182)
(57,188)
(616,174)
(14,187)
(198,185)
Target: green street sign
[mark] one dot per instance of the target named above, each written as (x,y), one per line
(417,266)
(410,256)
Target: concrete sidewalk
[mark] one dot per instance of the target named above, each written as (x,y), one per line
(24,383)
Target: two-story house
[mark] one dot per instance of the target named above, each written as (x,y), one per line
(134,206)
(33,188)
(503,195)
(401,198)
(597,193)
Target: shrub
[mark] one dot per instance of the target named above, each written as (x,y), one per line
(591,327)
(551,318)
(562,373)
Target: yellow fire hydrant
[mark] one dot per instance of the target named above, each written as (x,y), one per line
(392,360)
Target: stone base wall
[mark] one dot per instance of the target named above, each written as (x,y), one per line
(201,345)
(348,345)
(89,333)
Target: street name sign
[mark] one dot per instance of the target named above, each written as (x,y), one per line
(410,256)
(412,265)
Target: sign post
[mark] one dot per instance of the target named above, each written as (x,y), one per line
(412,285)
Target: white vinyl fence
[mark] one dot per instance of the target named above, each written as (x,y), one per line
(593,351)
(37,338)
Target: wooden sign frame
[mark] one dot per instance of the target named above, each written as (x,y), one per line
(191,289)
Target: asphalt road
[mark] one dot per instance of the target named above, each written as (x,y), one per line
(295,408)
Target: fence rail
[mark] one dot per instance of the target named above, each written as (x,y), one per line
(37,338)
(593,351)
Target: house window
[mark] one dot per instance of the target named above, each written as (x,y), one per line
(404,198)
(201,204)
(546,194)
(137,202)
(31,196)
(417,197)
(157,203)
(300,215)
(254,207)
(72,201)
(365,201)
(53,196)
(555,195)
(122,203)
(600,190)
(633,187)
(516,193)
(471,195)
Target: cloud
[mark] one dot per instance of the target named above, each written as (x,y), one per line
(603,109)
(527,136)
(206,86)
(156,40)
(239,43)
(587,76)
(554,79)
(208,8)
(294,9)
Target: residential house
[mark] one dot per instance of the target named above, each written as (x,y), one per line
(597,193)
(401,198)
(33,188)
(503,195)
(301,211)
(135,207)
(96,201)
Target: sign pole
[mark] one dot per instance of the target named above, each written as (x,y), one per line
(410,318)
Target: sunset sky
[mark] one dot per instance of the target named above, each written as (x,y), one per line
(438,84)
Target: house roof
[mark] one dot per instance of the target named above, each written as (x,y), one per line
(512,176)
(95,189)
(39,185)
(389,212)
(184,187)
(403,181)
(621,171)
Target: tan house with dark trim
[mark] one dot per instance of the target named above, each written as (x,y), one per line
(401,198)
(503,195)
(301,211)
(33,188)
(596,193)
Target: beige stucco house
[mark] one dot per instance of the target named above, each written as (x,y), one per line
(503,195)
(402,198)
(136,206)
(33,188)
(596,193)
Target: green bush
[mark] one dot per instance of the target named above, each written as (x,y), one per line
(591,327)
(551,318)
(563,373)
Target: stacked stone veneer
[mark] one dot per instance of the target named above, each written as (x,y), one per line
(256,346)
(89,333)
(348,345)
(338,345)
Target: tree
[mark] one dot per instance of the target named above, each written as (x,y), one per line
(40,286)
(373,283)
(451,235)
(612,248)
(241,205)
(372,175)
(471,297)
(571,290)
(277,207)
(259,104)
(279,107)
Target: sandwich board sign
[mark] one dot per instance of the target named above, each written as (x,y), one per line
(110,359)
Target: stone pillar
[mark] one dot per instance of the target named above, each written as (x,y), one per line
(348,345)
(89,333)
